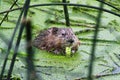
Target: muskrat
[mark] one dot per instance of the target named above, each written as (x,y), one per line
(56,40)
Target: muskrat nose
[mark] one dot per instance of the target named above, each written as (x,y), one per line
(71,40)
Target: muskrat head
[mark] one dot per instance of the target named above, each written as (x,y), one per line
(66,38)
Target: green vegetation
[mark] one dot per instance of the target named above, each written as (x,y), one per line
(83,21)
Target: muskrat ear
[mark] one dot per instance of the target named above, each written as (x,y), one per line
(54,30)
(70,29)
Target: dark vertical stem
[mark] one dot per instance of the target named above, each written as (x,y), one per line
(8,12)
(29,51)
(94,43)
(26,6)
(30,55)
(10,44)
(15,52)
(66,14)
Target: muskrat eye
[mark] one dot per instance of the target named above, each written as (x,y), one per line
(63,34)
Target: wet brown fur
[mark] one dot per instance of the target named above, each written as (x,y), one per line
(56,40)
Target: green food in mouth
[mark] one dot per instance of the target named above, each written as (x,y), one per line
(68,51)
